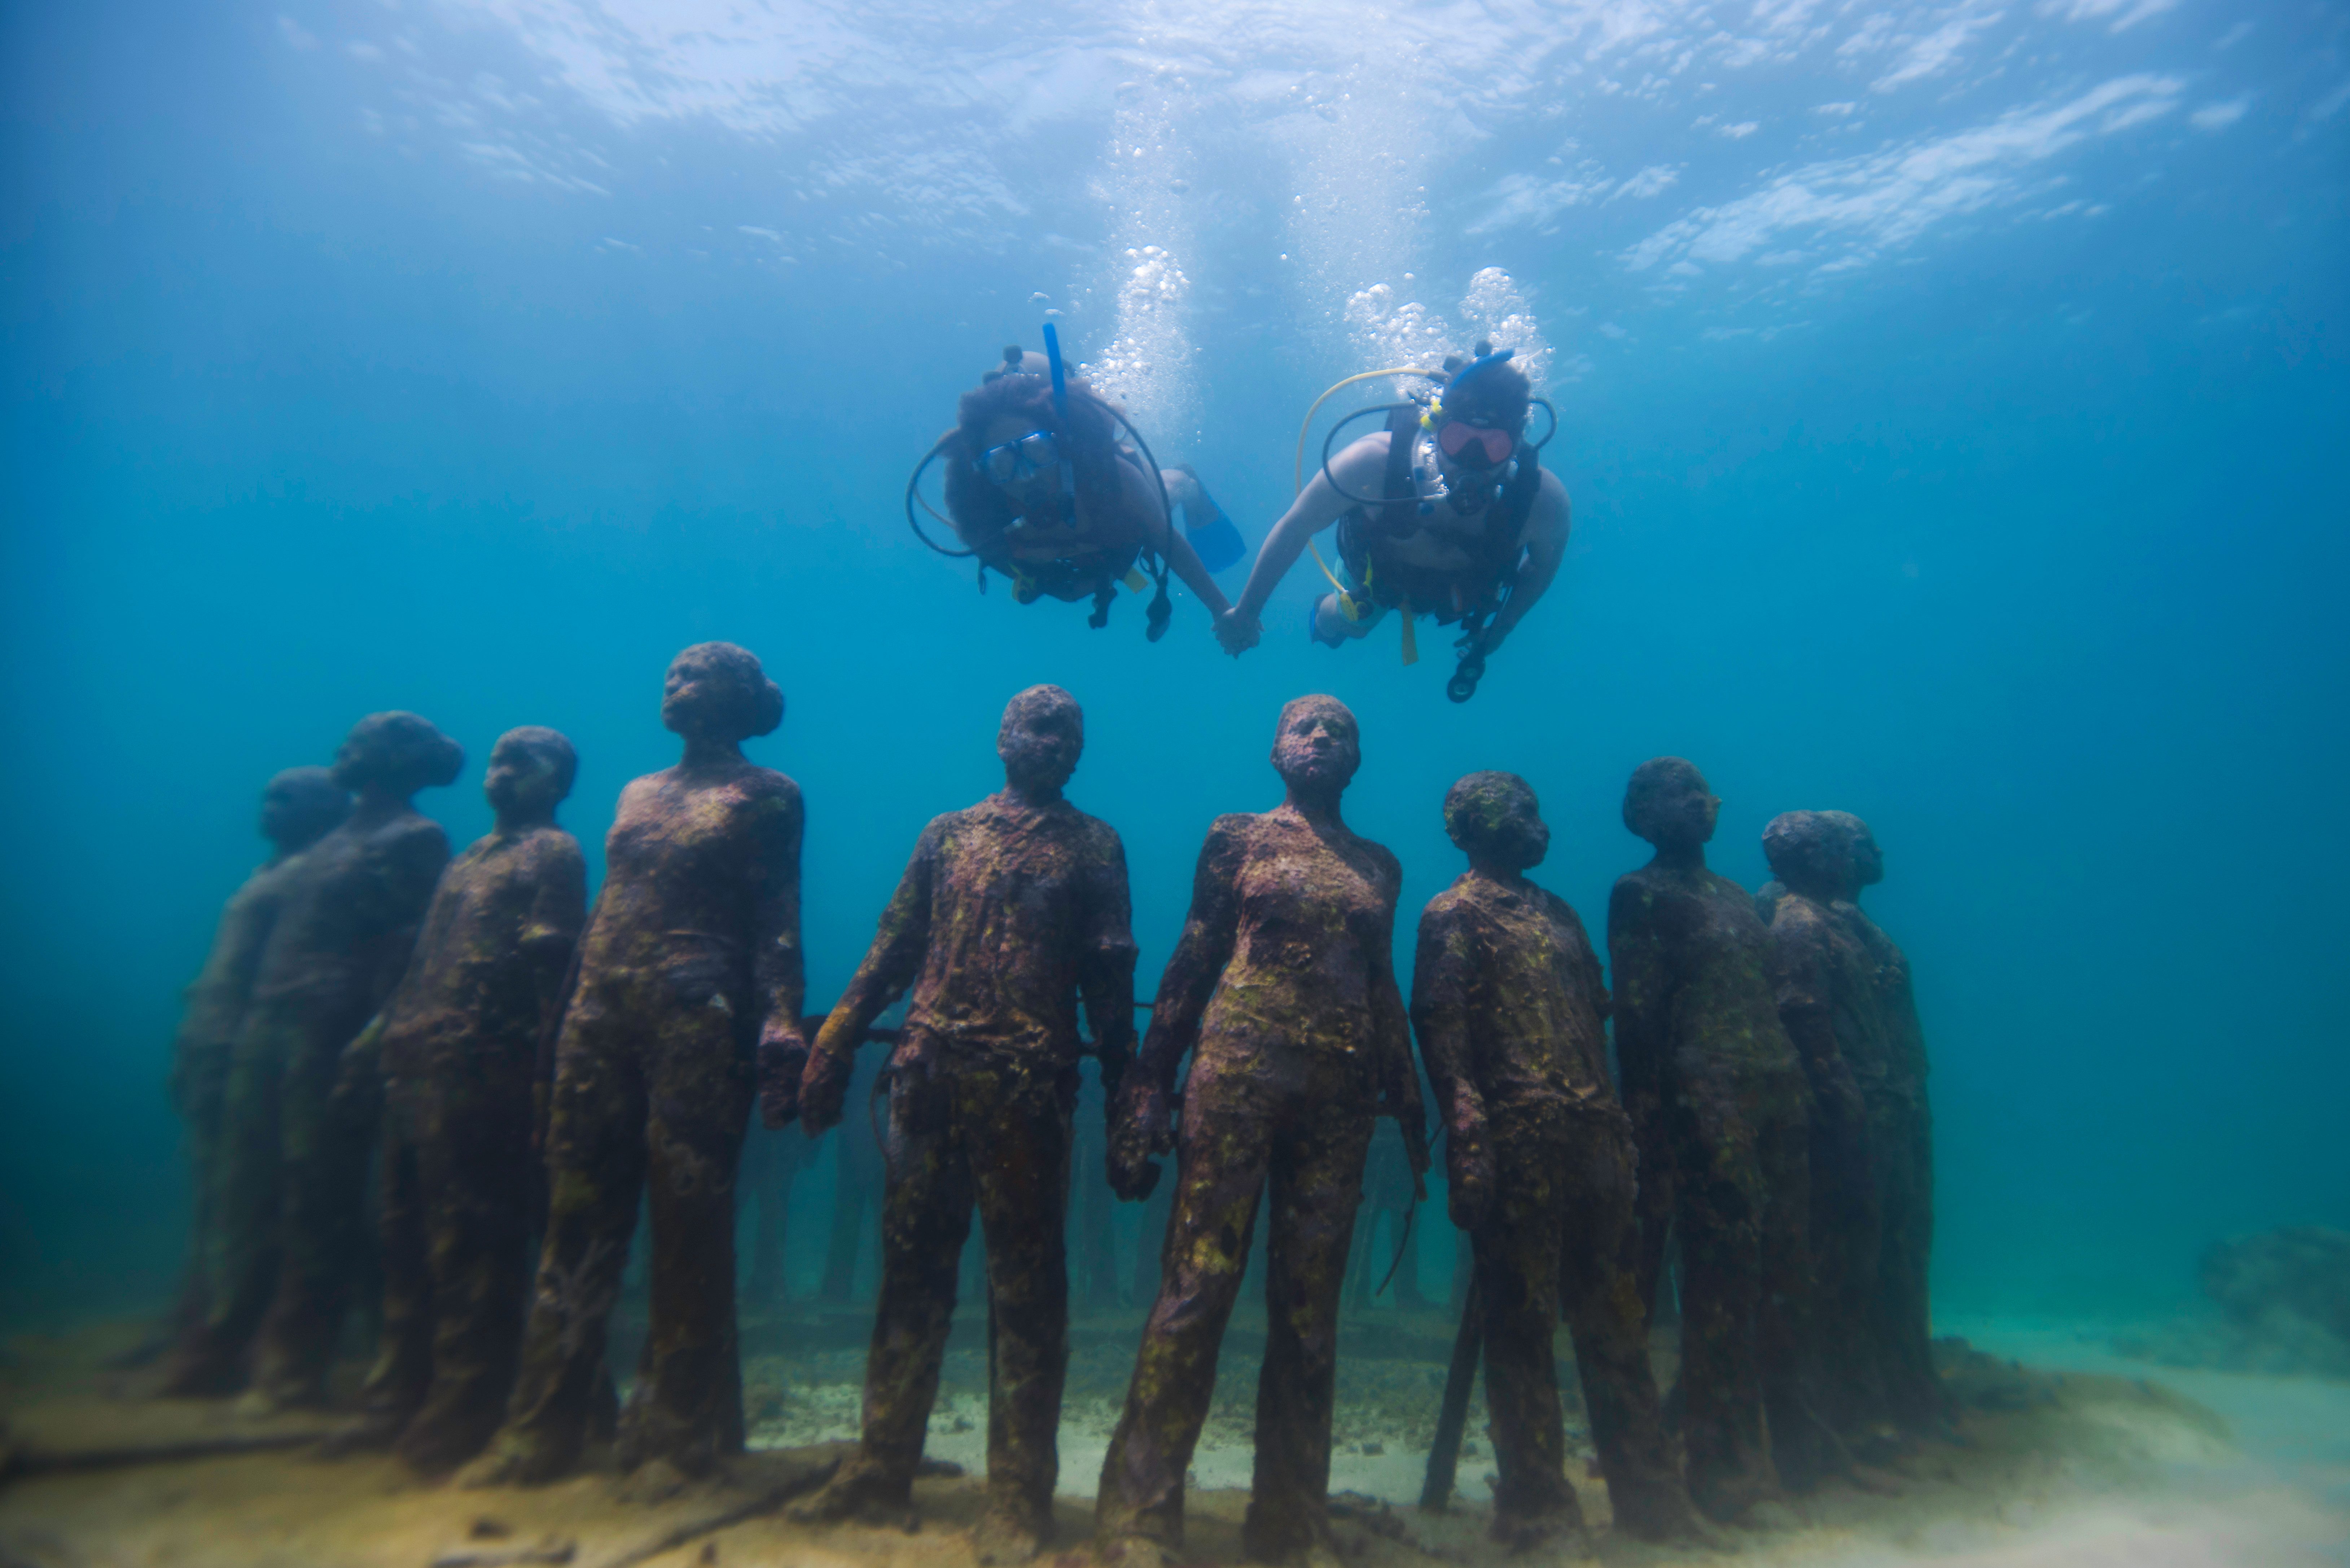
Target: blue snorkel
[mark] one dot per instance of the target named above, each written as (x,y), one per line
(1061,414)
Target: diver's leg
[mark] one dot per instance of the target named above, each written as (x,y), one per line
(687,1407)
(1219,1172)
(1517,1252)
(1315,1186)
(1603,1308)
(1018,1139)
(596,1170)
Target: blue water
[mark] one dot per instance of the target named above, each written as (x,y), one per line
(1954,401)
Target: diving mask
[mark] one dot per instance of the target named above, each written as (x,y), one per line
(1475,445)
(1034,453)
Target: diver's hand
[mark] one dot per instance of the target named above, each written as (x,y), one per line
(1144,1127)
(1467,1171)
(783,1057)
(824,1084)
(1238,631)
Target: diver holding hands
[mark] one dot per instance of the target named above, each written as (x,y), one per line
(1040,488)
(1446,512)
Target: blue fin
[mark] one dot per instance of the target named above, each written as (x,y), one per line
(1216,540)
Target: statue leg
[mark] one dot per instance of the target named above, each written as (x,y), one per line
(1847,1231)
(203,1087)
(925,1221)
(476,1169)
(1317,1184)
(1718,1212)
(1804,1447)
(595,1175)
(1898,1293)
(1221,1172)
(1653,1207)
(1601,1306)
(1517,1263)
(403,1364)
(328,1108)
(1018,1140)
(687,1407)
(242,1210)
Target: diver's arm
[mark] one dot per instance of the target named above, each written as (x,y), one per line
(1546,534)
(1360,468)
(1159,531)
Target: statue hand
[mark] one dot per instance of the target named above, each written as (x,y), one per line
(783,1057)
(824,1084)
(1469,1174)
(1141,1128)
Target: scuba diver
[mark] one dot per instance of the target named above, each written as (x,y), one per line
(1040,488)
(1447,512)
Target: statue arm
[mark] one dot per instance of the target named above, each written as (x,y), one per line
(1443,976)
(890,966)
(1142,1123)
(1106,971)
(1641,983)
(779,969)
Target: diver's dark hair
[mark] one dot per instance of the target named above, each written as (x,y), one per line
(1497,395)
(977,508)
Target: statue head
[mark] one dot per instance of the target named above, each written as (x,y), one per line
(1317,745)
(300,807)
(717,691)
(1668,804)
(396,754)
(1041,738)
(1496,821)
(1867,859)
(530,772)
(1811,853)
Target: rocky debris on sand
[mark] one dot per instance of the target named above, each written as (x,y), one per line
(2281,1304)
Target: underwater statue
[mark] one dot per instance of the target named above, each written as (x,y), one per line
(1716,1097)
(299,806)
(1511,1016)
(1282,989)
(457,1050)
(1009,913)
(288,1207)
(690,972)
(1901,1141)
(1826,982)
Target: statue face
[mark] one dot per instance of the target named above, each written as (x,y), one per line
(1317,745)
(1674,806)
(1514,832)
(521,778)
(1041,736)
(696,690)
(1867,859)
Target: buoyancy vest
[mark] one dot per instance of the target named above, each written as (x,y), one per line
(1366,538)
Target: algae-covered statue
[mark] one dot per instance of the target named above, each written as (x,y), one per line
(289,1228)
(690,970)
(1511,1016)
(1283,988)
(457,1049)
(1825,984)
(1901,1143)
(1716,1097)
(299,806)
(1009,914)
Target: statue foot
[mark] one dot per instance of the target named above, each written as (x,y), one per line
(860,1495)
(1007,1536)
(511,1463)
(372,1432)
(1136,1551)
(1559,1536)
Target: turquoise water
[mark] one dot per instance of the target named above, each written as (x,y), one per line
(1953,400)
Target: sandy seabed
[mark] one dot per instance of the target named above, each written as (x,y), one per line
(2067,1455)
